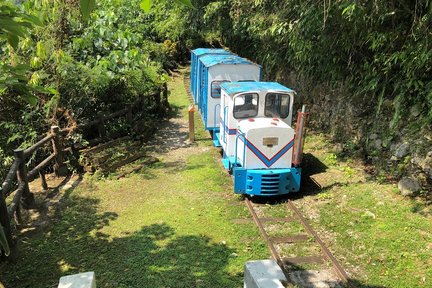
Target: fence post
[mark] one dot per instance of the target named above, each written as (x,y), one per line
(165,97)
(43,180)
(191,124)
(27,199)
(101,126)
(4,219)
(59,168)
(17,216)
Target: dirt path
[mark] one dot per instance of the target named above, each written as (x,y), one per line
(171,141)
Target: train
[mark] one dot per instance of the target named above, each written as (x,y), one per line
(250,120)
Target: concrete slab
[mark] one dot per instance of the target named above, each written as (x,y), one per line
(82,280)
(263,274)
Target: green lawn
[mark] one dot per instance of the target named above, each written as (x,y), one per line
(382,238)
(171,224)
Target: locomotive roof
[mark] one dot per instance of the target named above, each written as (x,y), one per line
(239,87)
(216,59)
(202,51)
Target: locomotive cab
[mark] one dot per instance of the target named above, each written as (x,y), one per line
(257,137)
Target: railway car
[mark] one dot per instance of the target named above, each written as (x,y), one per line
(194,75)
(215,69)
(257,138)
(251,121)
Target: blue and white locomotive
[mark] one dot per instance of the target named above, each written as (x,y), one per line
(251,121)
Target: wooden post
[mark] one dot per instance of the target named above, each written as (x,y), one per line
(101,126)
(4,219)
(17,216)
(165,97)
(191,124)
(27,199)
(43,180)
(157,99)
(59,168)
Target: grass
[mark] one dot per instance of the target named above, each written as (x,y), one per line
(380,236)
(170,225)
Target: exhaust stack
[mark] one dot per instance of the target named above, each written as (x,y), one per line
(299,136)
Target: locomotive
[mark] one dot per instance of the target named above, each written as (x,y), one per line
(250,120)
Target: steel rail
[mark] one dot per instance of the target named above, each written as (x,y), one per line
(339,270)
(255,218)
(275,255)
(269,243)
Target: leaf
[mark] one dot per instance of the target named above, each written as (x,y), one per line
(146,5)
(12,26)
(52,90)
(185,2)
(87,6)
(30,99)
(41,50)
(13,40)
(33,19)
(349,9)
(3,89)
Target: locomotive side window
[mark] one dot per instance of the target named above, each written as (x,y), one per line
(245,105)
(277,105)
(216,89)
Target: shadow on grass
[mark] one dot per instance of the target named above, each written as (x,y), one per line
(154,256)
(310,166)
(177,166)
(176,111)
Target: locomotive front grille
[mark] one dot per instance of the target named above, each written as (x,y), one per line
(270,183)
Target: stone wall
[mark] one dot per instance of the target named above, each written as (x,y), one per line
(398,154)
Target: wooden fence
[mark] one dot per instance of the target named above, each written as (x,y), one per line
(18,178)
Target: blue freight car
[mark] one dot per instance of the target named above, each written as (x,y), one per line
(194,75)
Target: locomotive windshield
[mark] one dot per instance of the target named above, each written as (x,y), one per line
(216,89)
(277,105)
(245,105)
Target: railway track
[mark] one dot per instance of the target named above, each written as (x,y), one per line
(305,235)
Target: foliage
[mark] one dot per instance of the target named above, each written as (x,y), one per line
(70,70)
(380,49)
(15,25)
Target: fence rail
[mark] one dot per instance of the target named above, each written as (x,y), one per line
(17,180)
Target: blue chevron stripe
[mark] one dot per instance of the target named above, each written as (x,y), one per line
(268,162)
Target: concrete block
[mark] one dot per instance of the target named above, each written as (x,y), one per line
(263,274)
(82,280)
